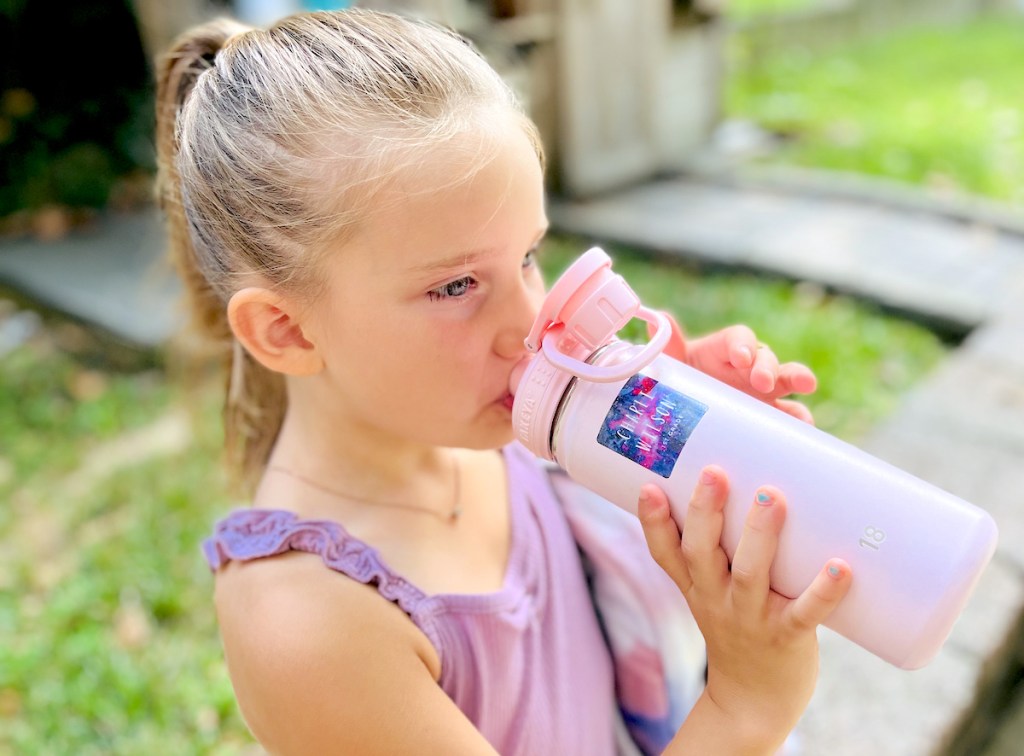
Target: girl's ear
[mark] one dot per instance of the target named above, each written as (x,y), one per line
(270,329)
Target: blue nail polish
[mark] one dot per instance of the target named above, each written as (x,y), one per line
(834,571)
(763,498)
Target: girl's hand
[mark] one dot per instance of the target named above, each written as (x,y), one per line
(734,356)
(762,647)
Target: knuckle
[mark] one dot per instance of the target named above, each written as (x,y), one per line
(692,552)
(707,503)
(744,578)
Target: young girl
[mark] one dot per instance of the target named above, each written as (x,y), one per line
(356,202)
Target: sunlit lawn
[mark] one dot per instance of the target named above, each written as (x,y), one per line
(937,107)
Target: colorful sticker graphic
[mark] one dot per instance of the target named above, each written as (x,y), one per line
(650,423)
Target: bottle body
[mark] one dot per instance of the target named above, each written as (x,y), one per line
(916,551)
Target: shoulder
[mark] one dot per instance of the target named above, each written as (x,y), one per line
(302,641)
(296,589)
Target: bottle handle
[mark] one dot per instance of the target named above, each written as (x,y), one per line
(619,371)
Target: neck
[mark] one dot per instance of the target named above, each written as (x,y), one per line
(358,459)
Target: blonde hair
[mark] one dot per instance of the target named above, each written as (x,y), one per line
(271,143)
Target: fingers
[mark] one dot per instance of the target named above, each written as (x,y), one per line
(740,345)
(770,377)
(822,596)
(797,378)
(662,535)
(767,376)
(796,409)
(702,531)
(765,370)
(756,550)
(699,566)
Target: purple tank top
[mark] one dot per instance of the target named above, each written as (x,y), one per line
(528,664)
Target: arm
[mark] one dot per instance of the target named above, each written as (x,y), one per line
(734,356)
(323,664)
(762,647)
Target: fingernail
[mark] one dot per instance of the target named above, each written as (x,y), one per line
(707,477)
(834,571)
(748,356)
(764,499)
(644,496)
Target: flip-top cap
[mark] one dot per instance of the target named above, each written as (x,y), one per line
(589,299)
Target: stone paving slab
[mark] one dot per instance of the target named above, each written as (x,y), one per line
(937,267)
(743,175)
(111,274)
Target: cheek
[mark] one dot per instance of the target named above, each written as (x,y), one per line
(456,352)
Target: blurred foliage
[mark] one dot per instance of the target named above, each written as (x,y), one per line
(745,9)
(75,102)
(938,107)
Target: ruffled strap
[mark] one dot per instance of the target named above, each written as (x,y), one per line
(248,534)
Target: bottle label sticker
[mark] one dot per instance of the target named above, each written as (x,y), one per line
(650,423)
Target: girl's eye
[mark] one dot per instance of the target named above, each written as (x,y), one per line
(531,257)
(454,289)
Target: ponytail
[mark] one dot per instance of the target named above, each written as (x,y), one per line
(254,396)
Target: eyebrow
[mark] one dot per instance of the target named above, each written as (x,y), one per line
(466,258)
(455,261)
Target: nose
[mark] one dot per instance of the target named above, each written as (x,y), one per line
(517,315)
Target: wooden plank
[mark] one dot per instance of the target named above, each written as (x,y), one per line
(609,53)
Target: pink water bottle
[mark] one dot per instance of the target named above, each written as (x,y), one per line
(616,415)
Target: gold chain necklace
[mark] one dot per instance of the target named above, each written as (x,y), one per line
(450,517)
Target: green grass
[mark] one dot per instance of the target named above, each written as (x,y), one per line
(934,107)
(110,641)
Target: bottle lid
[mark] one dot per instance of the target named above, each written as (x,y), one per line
(584,310)
(589,266)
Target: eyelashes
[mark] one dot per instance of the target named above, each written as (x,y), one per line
(460,287)
(454,289)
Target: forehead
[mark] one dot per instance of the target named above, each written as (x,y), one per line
(475,192)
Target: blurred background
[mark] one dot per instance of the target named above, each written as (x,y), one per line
(109,441)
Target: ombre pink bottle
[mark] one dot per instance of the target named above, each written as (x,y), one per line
(616,415)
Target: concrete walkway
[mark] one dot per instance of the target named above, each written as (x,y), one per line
(962,427)
(111,274)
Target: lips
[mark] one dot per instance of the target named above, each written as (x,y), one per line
(517,374)
(513,381)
